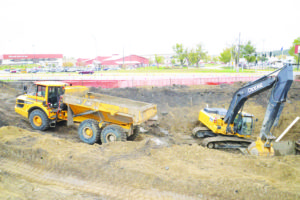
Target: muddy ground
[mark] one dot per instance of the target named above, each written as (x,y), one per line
(158,165)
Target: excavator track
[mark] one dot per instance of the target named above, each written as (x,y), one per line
(297,147)
(226,142)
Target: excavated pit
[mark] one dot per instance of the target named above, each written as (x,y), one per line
(158,165)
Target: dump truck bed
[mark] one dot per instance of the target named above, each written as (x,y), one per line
(138,111)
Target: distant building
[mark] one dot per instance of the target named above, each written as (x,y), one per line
(23,59)
(114,61)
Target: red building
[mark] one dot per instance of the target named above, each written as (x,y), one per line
(114,61)
(17,59)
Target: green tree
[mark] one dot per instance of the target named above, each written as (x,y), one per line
(180,53)
(225,56)
(68,64)
(247,51)
(159,60)
(192,57)
(292,49)
(151,61)
(282,56)
(261,58)
(215,59)
(201,54)
(173,61)
(208,58)
(234,53)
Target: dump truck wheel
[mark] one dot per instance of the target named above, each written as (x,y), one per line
(134,135)
(89,131)
(113,133)
(39,120)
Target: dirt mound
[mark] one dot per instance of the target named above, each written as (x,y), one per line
(142,169)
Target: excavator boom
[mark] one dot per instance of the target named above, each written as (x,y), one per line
(234,122)
(280,84)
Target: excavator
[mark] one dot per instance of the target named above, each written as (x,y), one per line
(232,128)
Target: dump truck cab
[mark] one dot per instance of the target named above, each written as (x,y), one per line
(43,96)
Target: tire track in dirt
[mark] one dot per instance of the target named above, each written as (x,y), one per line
(39,175)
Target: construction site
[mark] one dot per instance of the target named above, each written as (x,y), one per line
(164,161)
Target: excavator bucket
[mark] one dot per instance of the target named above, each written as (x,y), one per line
(258,148)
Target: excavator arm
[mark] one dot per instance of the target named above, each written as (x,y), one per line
(280,85)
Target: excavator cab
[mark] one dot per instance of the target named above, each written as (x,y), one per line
(243,124)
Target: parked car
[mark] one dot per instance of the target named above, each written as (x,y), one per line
(32,70)
(130,68)
(71,69)
(98,68)
(85,72)
(61,70)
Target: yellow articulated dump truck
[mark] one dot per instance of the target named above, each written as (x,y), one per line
(101,117)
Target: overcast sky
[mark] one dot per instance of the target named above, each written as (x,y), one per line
(104,27)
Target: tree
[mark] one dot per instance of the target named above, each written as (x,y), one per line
(207,58)
(180,53)
(234,53)
(151,61)
(292,49)
(247,51)
(173,61)
(192,57)
(201,54)
(225,56)
(68,64)
(215,59)
(282,56)
(159,60)
(261,58)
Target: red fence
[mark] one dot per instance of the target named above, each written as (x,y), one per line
(160,82)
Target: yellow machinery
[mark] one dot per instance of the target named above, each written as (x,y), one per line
(231,128)
(101,117)
(213,129)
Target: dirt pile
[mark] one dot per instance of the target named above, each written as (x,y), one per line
(139,170)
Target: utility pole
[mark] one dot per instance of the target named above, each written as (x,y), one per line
(238,59)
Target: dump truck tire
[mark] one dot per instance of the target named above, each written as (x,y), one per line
(39,120)
(89,131)
(134,135)
(112,133)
